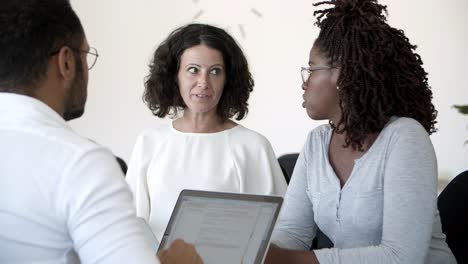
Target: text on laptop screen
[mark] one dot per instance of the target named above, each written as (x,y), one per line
(234,231)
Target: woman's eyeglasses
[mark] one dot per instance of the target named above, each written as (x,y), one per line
(307,71)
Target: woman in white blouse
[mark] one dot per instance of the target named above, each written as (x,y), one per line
(200,74)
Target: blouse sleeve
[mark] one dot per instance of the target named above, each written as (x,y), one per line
(136,177)
(258,168)
(409,206)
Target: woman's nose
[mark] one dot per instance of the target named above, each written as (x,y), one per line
(304,86)
(202,80)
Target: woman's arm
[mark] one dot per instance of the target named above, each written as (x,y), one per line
(278,255)
(296,227)
(136,177)
(256,163)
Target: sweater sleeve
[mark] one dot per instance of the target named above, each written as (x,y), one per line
(136,177)
(296,227)
(409,206)
(101,220)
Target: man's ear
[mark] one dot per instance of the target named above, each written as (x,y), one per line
(66,63)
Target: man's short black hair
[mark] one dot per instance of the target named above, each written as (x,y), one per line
(30,31)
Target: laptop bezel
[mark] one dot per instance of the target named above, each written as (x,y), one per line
(229,196)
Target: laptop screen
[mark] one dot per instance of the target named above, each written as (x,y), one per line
(224,227)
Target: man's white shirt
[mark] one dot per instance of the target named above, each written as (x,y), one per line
(63,199)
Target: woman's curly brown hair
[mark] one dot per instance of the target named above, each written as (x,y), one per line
(161,89)
(381,75)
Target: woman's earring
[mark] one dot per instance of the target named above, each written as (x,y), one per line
(337,87)
(332,125)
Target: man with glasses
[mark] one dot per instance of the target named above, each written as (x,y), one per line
(63,199)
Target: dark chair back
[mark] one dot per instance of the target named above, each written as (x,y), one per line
(453,208)
(287,163)
(122,164)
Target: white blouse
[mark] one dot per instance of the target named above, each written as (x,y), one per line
(166,161)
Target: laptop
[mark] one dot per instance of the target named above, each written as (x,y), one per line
(224,227)
(148,234)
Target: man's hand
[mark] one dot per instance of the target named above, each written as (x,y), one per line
(180,252)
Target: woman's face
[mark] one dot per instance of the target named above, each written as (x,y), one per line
(321,99)
(201,78)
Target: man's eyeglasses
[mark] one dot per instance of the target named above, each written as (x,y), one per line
(307,71)
(91,55)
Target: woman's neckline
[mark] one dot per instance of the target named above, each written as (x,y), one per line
(204,133)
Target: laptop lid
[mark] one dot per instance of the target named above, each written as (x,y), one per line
(224,227)
(148,234)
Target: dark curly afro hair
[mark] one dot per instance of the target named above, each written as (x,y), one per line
(381,75)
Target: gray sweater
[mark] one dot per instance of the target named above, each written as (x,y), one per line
(385,213)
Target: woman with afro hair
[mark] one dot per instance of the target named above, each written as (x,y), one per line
(368,179)
(200,75)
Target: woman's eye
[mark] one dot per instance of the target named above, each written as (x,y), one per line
(215,71)
(192,70)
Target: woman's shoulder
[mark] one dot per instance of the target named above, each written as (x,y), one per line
(404,125)
(320,133)
(149,137)
(246,136)
(404,134)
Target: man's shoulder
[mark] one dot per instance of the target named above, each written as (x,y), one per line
(72,142)
(69,148)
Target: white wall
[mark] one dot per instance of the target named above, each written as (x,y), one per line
(277,45)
